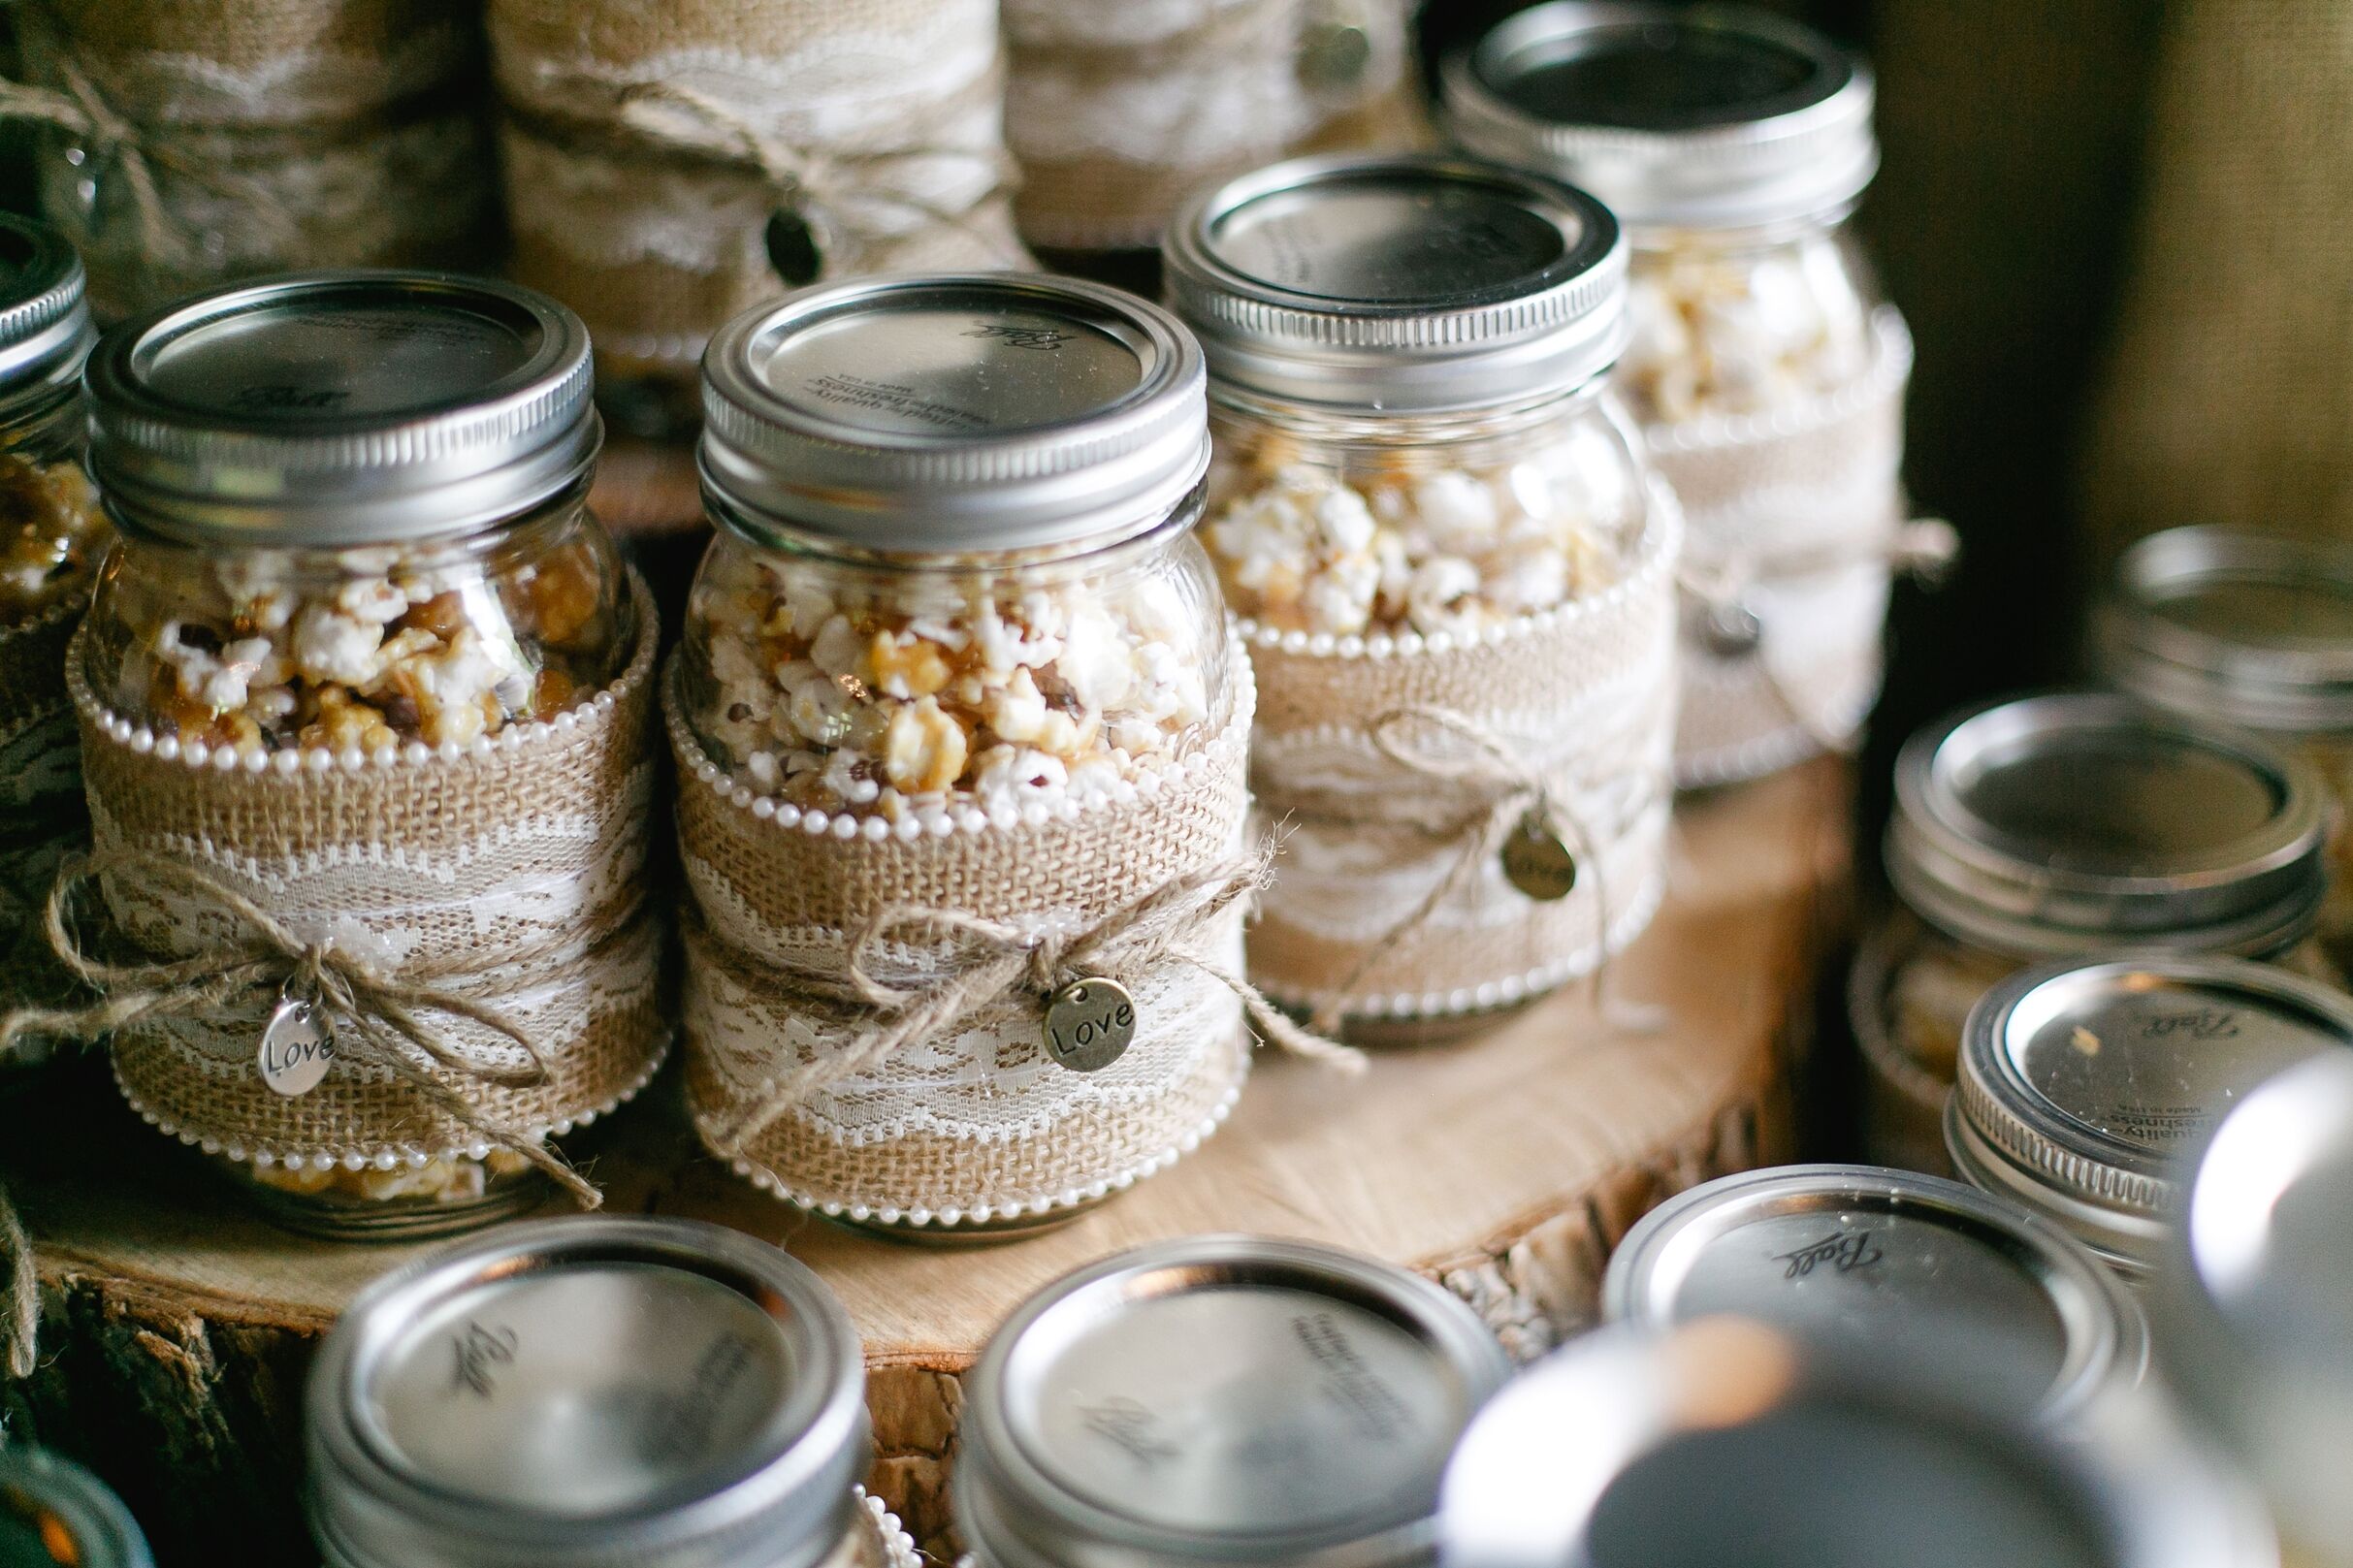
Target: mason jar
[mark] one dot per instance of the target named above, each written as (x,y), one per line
(364,700)
(955,699)
(2252,629)
(53,1510)
(658,1392)
(2251,1297)
(1220,1399)
(1454,571)
(1764,365)
(2059,825)
(1729,1441)
(2083,1085)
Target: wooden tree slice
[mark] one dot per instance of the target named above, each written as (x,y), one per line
(177,1324)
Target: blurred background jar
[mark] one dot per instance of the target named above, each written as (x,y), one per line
(54,1512)
(53,536)
(2059,825)
(394,700)
(1767,370)
(2251,629)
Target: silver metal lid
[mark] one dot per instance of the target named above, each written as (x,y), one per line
(1889,1264)
(946,414)
(2251,628)
(589,1393)
(1399,283)
(45,323)
(2080,1085)
(2256,1303)
(341,408)
(2056,826)
(1220,1399)
(1725,1441)
(1707,116)
(53,1510)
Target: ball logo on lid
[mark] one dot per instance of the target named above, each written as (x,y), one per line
(1044,339)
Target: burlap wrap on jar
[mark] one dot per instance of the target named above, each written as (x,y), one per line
(200,140)
(1797,518)
(510,874)
(41,810)
(648,149)
(975,1122)
(1396,772)
(1117,108)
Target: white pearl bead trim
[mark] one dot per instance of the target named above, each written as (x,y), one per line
(1890,366)
(942,821)
(898,1547)
(982,1211)
(379,1156)
(1767,754)
(1508,991)
(1661,544)
(581,717)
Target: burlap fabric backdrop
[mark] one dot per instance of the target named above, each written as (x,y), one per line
(227,138)
(2227,395)
(648,147)
(1794,515)
(1119,107)
(1583,697)
(975,1120)
(512,874)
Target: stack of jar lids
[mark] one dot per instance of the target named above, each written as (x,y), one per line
(2082,1085)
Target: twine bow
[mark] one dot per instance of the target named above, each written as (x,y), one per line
(989,960)
(824,187)
(1512,791)
(81,109)
(377,1019)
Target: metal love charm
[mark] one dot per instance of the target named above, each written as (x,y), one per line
(298,1044)
(796,243)
(1089,1024)
(1536,861)
(1733,630)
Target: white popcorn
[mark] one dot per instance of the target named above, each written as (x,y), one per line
(1010,773)
(924,750)
(372,598)
(1442,595)
(1097,659)
(820,708)
(1719,331)
(848,776)
(1457,511)
(837,647)
(329,646)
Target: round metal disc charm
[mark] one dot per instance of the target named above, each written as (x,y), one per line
(1089,1024)
(1536,861)
(1733,630)
(796,243)
(1334,51)
(298,1044)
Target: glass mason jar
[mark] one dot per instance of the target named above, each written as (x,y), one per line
(2057,826)
(1727,1441)
(954,650)
(2250,629)
(2083,1085)
(53,1510)
(1418,478)
(358,616)
(1220,1399)
(1765,364)
(661,1393)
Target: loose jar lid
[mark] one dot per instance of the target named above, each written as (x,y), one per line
(2082,1085)
(53,1510)
(941,414)
(589,1394)
(2255,1303)
(1706,117)
(1220,1399)
(2249,628)
(341,408)
(1888,1264)
(1727,1442)
(2060,824)
(1399,283)
(45,323)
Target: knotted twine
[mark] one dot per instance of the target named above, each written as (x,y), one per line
(993,960)
(374,1019)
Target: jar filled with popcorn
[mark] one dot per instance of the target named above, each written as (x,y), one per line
(961,733)
(1767,372)
(2059,826)
(1455,572)
(52,536)
(365,727)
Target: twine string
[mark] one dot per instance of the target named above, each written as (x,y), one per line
(20,1309)
(981,962)
(376,1019)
